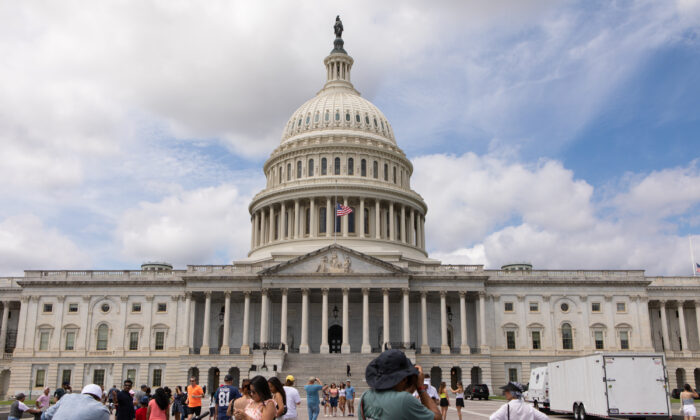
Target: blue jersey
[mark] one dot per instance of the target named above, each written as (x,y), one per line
(222,397)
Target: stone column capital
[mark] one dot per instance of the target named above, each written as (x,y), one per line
(406,290)
(207,294)
(247,293)
(462,294)
(285,291)
(175,298)
(60,298)
(546,298)
(305,291)
(385,291)
(188,295)
(443,294)
(608,298)
(482,294)
(365,291)
(583,298)
(324,290)
(149,298)
(33,298)
(634,298)
(345,291)
(87,298)
(124,298)
(662,302)
(520,298)
(264,291)
(227,294)
(423,294)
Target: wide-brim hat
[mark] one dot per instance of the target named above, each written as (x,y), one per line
(388,369)
(512,386)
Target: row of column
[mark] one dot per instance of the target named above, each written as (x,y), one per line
(268,227)
(4,325)
(345,346)
(676,304)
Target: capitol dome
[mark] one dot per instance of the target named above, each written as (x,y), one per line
(338,149)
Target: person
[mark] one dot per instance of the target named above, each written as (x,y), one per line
(516,408)
(687,397)
(325,402)
(110,397)
(158,406)
(444,400)
(124,402)
(195,393)
(84,406)
(278,395)
(140,394)
(459,398)
(350,398)
(18,408)
(312,400)
(63,390)
(179,410)
(261,406)
(341,399)
(142,411)
(432,392)
(240,403)
(44,400)
(347,369)
(333,399)
(293,398)
(223,397)
(392,379)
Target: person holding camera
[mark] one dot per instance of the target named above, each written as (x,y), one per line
(312,400)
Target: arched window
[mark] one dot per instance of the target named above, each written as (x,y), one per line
(375,169)
(394,168)
(311,167)
(357,118)
(567,338)
(386,172)
(363,167)
(289,172)
(102,336)
(279,170)
(366,216)
(324,164)
(298,169)
(307,224)
(328,116)
(351,166)
(347,116)
(337,115)
(322,220)
(351,221)
(336,169)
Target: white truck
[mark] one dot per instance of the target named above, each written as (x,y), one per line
(609,385)
(538,388)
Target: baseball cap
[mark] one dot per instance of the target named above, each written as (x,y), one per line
(290,378)
(312,379)
(228,378)
(93,390)
(144,400)
(20,396)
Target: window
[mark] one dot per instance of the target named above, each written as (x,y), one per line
(337,116)
(133,340)
(102,333)
(534,307)
(160,340)
(307,221)
(65,375)
(394,170)
(44,340)
(599,343)
(40,378)
(136,307)
(347,116)
(310,169)
(336,168)
(298,169)
(508,306)
(48,308)
(567,338)
(308,119)
(322,220)
(105,307)
(351,166)
(324,164)
(131,374)
(289,172)
(624,340)
(366,120)
(72,308)
(536,343)
(157,376)
(513,374)
(328,117)
(162,307)
(351,221)
(375,169)
(386,172)
(366,221)
(510,340)
(363,167)
(357,118)
(279,172)
(621,307)
(564,307)
(595,306)
(70,340)
(98,377)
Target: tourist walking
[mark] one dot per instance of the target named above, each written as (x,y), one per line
(18,408)
(84,406)
(341,399)
(140,393)
(312,401)
(393,379)
(687,397)
(261,406)
(516,408)
(444,399)
(223,397)
(195,393)
(179,410)
(350,398)
(277,390)
(293,398)
(124,402)
(459,398)
(326,402)
(158,406)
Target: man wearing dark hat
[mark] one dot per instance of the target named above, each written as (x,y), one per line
(393,379)
(516,408)
(223,396)
(18,408)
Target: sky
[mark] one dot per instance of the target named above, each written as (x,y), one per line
(564,134)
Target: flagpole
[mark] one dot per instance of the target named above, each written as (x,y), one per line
(335,214)
(692,256)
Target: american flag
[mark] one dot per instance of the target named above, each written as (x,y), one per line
(697,268)
(341,210)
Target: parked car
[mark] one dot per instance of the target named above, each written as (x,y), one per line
(480,391)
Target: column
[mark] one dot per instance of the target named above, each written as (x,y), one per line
(482,320)
(406,319)
(345,346)
(392,229)
(3,326)
(422,232)
(697,317)
(522,324)
(263,222)
(403,223)
(272,224)
(252,232)
(366,347)
(283,221)
(444,345)
(188,317)
(610,340)
(377,220)
(424,346)
(329,218)
(362,217)
(256,232)
(419,234)
(207,315)
(681,325)
(296,219)
(387,336)
(312,218)
(636,335)
(664,326)
(283,321)
(245,345)
(304,344)
(324,322)
(344,219)
(464,345)
(149,321)
(227,322)
(264,324)
(412,223)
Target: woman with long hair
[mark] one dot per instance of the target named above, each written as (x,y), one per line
(688,400)
(278,395)
(459,398)
(242,402)
(333,399)
(444,400)
(261,406)
(179,398)
(158,406)
(341,399)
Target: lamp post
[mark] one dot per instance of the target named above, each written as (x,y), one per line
(222,314)
(335,312)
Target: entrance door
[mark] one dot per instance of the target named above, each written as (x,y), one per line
(335,338)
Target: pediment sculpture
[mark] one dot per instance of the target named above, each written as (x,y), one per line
(334,264)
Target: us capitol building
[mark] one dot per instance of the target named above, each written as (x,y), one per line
(317,293)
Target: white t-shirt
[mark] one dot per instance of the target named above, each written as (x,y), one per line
(341,393)
(432,392)
(293,400)
(519,410)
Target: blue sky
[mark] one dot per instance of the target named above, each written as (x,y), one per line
(568,133)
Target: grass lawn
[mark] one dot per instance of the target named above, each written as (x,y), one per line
(29,403)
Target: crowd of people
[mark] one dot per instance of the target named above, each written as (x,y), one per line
(398,390)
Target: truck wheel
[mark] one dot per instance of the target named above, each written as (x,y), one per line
(576,412)
(581,412)
(536,405)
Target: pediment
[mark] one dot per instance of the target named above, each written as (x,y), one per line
(334,260)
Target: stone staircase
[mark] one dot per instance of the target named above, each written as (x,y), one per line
(328,368)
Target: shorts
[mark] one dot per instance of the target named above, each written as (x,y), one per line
(334,401)
(460,402)
(444,402)
(689,410)
(194,410)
